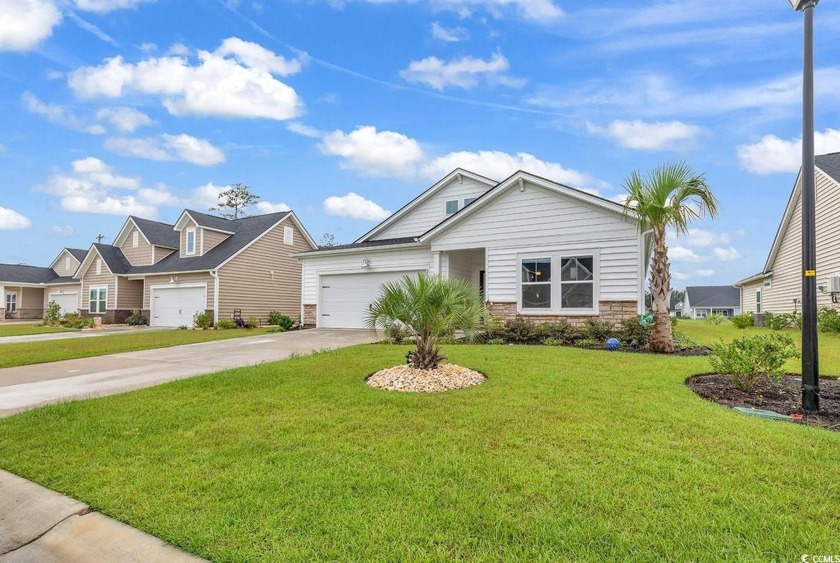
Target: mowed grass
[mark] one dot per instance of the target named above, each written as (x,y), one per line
(21,329)
(27,353)
(562,455)
(707,334)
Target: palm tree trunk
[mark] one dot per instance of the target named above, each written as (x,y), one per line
(661,339)
(427,355)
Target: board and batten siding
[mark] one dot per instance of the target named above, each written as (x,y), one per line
(62,261)
(207,240)
(786,281)
(90,279)
(183,279)
(129,293)
(432,211)
(247,282)
(411,259)
(535,220)
(141,255)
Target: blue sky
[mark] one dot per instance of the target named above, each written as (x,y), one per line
(345,110)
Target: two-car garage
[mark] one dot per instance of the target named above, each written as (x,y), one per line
(345,299)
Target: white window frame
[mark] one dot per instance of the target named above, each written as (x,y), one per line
(99,266)
(12,302)
(758,302)
(446,207)
(469,200)
(135,239)
(100,300)
(768,283)
(187,251)
(288,236)
(556,257)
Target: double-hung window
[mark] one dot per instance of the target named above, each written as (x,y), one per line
(452,207)
(98,300)
(558,282)
(577,282)
(190,244)
(536,283)
(758,302)
(11,302)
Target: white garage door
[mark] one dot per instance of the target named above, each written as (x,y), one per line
(176,306)
(345,298)
(69,302)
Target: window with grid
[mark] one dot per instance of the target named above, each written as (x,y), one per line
(577,282)
(536,283)
(11,302)
(451,207)
(98,299)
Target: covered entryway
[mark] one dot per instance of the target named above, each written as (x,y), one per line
(345,299)
(176,306)
(69,302)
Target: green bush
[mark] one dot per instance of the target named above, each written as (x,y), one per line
(495,341)
(561,330)
(742,321)
(782,321)
(225,324)
(599,331)
(674,321)
(828,320)
(281,320)
(136,319)
(521,331)
(203,319)
(552,342)
(52,316)
(76,320)
(396,333)
(715,319)
(631,330)
(587,343)
(746,359)
(252,322)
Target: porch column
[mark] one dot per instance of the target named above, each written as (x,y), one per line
(435,268)
(3,296)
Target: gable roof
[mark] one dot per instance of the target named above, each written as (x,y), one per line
(211,222)
(77,253)
(157,233)
(435,188)
(713,296)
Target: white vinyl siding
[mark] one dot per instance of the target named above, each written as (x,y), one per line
(432,211)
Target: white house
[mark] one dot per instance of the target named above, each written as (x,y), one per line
(702,301)
(531,246)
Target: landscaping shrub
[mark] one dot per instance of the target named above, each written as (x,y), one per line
(715,319)
(631,331)
(746,359)
(521,331)
(495,341)
(587,343)
(742,321)
(136,319)
(599,331)
(782,321)
(674,320)
(560,330)
(552,342)
(203,319)
(52,316)
(252,322)
(396,333)
(281,320)
(828,320)
(75,320)
(225,324)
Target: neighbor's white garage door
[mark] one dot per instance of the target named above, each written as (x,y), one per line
(345,298)
(69,302)
(176,306)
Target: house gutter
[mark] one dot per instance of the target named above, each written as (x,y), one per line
(215,275)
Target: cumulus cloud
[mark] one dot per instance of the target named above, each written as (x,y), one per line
(168,148)
(773,155)
(354,206)
(124,118)
(449,34)
(729,254)
(25,23)
(266,207)
(58,114)
(641,135)
(11,220)
(702,237)
(706,273)
(465,73)
(304,130)
(683,254)
(62,230)
(533,10)
(372,152)
(237,80)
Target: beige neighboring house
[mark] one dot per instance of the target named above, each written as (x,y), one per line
(778,287)
(27,290)
(201,263)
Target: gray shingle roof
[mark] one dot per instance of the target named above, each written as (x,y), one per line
(21,273)
(713,296)
(830,164)
(215,222)
(78,253)
(114,258)
(368,244)
(157,233)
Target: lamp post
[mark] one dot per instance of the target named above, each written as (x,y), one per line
(810,350)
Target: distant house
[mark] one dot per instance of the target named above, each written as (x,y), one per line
(702,301)
(676,306)
(777,288)
(27,290)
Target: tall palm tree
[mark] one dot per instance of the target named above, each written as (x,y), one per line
(670,196)
(429,307)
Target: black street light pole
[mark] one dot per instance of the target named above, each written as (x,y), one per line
(810,349)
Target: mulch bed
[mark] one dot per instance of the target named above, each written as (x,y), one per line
(783,397)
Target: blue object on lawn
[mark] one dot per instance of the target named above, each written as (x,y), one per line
(646,319)
(612,344)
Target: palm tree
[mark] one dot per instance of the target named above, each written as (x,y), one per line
(670,196)
(428,307)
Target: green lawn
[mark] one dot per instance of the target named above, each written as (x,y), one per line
(16,329)
(26,353)
(707,334)
(563,454)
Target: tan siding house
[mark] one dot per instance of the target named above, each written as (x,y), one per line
(27,290)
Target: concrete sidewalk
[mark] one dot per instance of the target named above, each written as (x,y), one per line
(77,334)
(40,525)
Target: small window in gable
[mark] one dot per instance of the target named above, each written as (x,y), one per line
(452,207)
(190,241)
(469,200)
(135,239)
(99,266)
(768,284)
(288,236)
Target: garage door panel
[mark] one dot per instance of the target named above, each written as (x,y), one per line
(69,302)
(176,306)
(345,299)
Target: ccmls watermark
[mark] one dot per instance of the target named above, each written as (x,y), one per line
(809,558)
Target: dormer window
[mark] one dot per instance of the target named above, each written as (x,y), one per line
(190,241)
(452,207)
(135,239)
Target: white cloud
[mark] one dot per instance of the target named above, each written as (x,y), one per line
(104,6)
(702,238)
(372,152)
(25,23)
(168,148)
(304,130)
(354,206)
(147,47)
(449,34)
(772,155)
(683,254)
(534,10)
(235,81)
(462,73)
(11,220)
(58,114)
(62,230)
(124,118)
(679,276)
(707,273)
(641,135)
(727,254)
(266,207)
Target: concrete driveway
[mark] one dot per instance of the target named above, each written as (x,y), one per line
(29,386)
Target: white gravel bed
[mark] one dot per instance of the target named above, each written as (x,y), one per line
(406,378)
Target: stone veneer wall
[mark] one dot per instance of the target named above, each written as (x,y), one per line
(613,311)
(310,315)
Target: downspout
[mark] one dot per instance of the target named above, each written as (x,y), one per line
(215,275)
(643,266)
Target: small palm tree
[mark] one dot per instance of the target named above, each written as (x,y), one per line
(670,196)
(428,307)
